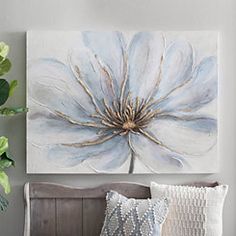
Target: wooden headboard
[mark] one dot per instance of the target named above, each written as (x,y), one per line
(57,210)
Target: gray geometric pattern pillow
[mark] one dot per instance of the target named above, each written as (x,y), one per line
(133,217)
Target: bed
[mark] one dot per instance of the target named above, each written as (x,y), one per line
(58,210)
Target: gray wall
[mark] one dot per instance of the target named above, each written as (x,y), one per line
(17,16)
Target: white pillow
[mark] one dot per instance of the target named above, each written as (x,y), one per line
(193,211)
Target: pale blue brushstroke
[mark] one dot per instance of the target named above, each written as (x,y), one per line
(183,70)
(71,156)
(199,91)
(155,153)
(110,48)
(112,158)
(200,124)
(89,74)
(136,72)
(77,110)
(144,55)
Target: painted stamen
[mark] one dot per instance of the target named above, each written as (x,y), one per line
(134,115)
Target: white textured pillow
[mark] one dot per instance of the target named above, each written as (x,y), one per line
(193,211)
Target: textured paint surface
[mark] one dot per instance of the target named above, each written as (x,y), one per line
(122,102)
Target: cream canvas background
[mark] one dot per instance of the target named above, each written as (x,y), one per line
(19,16)
(58,45)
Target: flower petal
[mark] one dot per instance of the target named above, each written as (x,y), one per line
(113,158)
(155,157)
(199,91)
(188,135)
(144,57)
(93,75)
(103,153)
(45,128)
(52,84)
(176,68)
(109,47)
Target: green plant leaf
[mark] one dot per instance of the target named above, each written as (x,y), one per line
(4,181)
(4,49)
(13,85)
(5,66)
(6,111)
(4,91)
(5,164)
(6,161)
(7,156)
(3,145)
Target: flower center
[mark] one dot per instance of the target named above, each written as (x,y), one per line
(127,115)
(129,125)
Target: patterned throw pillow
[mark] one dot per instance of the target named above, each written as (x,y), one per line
(193,211)
(133,217)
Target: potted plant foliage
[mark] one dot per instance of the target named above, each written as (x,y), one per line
(6,91)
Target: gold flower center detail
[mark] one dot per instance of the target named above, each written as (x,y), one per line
(129,125)
(127,115)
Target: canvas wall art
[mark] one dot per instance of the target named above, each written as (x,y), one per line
(122,102)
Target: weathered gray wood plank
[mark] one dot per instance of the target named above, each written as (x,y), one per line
(43,217)
(48,190)
(69,217)
(203,184)
(93,216)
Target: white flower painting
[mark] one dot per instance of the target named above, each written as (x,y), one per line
(122,102)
